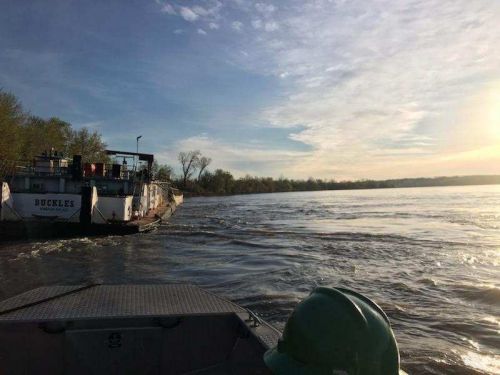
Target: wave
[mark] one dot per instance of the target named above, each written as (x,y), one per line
(194,233)
(427,281)
(255,244)
(487,294)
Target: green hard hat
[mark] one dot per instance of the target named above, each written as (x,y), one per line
(335,331)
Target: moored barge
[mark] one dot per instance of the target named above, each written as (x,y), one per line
(54,196)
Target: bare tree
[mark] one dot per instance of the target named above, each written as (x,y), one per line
(189,162)
(203,163)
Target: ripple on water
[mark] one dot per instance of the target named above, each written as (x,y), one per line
(429,257)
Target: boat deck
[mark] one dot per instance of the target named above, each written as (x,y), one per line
(153,217)
(130,329)
(112,301)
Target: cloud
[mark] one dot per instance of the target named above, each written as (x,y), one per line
(169,9)
(188,14)
(369,82)
(377,88)
(376,82)
(200,11)
(209,12)
(257,24)
(265,8)
(201,32)
(239,158)
(237,25)
(271,26)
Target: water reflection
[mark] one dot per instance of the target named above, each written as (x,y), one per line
(429,257)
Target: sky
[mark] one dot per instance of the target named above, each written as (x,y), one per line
(342,89)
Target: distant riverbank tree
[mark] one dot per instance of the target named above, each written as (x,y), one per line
(192,162)
(25,136)
(203,163)
(221,182)
(189,162)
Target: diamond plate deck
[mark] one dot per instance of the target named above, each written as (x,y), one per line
(112,301)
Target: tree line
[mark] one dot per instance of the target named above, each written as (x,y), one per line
(196,179)
(24,136)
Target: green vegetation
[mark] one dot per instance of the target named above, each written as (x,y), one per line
(161,172)
(24,136)
(222,182)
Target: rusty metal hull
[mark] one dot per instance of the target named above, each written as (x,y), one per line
(13,230)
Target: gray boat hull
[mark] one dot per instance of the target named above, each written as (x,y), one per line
(130,329)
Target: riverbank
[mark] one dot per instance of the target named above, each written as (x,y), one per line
(261,185)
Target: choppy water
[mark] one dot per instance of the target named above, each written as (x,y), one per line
(430,257)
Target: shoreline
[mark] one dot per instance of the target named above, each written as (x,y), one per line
(191,194)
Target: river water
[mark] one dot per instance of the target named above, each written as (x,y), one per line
(429,256)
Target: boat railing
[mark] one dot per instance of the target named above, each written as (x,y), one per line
(116,171)
(11,168)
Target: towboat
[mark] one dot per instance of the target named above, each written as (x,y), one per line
(53,196)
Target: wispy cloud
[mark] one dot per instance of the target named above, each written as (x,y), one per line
(364,77)
(257,24)
(188,14)
(208,11)
(266,9)
(259,160)
(168,8)
(237,25)
(363,88)
(371,82)
(271,26)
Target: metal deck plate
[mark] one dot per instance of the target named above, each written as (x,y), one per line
(112,301)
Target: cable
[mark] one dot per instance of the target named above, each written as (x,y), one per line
(7,311)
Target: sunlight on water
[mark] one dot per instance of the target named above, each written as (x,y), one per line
(487,363)
(430,257)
